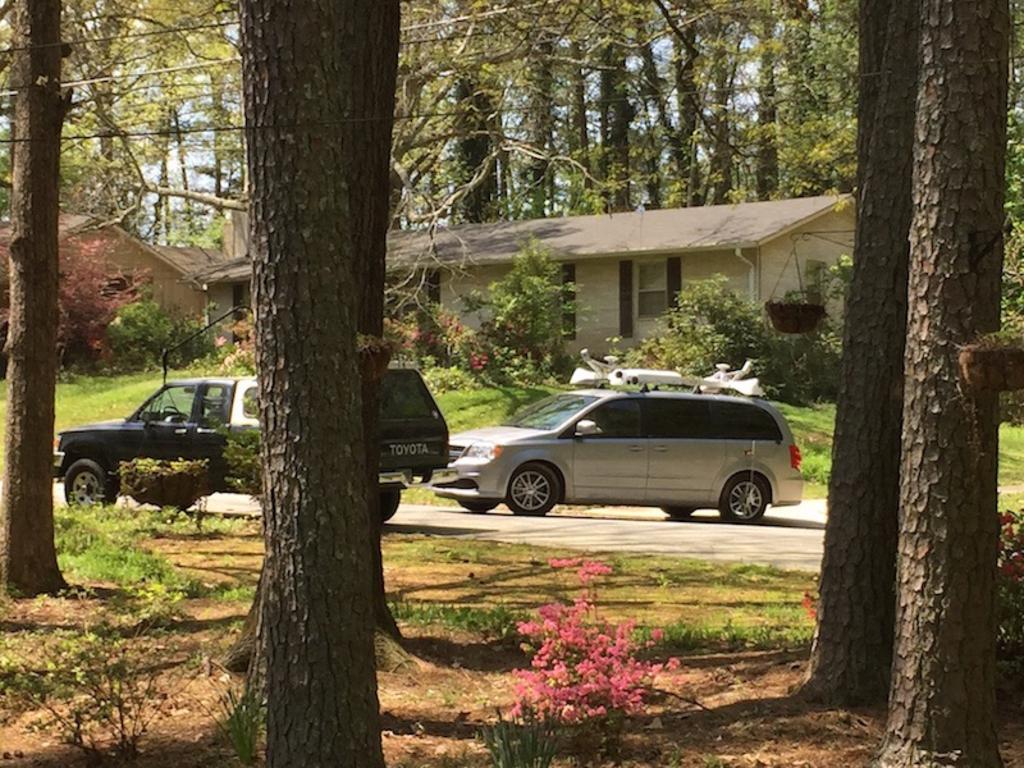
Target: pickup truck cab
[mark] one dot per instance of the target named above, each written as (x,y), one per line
(188,419)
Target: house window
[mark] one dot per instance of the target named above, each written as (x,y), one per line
(651,288)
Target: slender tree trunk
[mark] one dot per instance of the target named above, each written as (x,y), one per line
(540,126)
(617,115)
(942,699)
(852,649)
(688,105)
(721,165)
(767,117)
(319,118)
(579,135)
(28,561)
(473,150)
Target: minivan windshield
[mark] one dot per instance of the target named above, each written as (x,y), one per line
(550,412)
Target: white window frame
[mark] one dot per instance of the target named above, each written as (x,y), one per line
(637,290)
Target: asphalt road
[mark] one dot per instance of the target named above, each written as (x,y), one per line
(790,537)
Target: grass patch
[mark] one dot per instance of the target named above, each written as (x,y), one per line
(466,585)
(492,623)
(106,544)
(813,427)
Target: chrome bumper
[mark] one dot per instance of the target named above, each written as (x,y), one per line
(58,460)
(407,479)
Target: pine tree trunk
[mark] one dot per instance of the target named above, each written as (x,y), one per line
(852,650)
(28,561)
(319,90)
(942,698)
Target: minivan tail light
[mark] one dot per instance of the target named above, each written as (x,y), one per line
(795,458)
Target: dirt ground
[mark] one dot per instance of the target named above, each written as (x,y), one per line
(723,709)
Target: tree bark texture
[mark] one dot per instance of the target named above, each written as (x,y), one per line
(942,698)
(852,649)
(28,561)
(319,90)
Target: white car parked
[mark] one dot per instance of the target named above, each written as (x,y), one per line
(680,451)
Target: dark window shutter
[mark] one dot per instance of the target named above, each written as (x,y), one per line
(569,297)
(626,299)
(432,285)
(674,269)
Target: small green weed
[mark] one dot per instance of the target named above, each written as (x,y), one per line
(241,721)
(520,744)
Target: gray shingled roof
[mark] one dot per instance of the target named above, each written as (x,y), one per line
(709,227)
(188,260)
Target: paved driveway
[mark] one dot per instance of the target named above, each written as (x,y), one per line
(788,538)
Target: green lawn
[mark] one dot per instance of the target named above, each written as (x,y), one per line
(85,399)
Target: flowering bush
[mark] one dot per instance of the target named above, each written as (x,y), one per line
(436,337)
(1010,585)
(583,668)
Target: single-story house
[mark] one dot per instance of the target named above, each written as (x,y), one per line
(166,268)
(626,267)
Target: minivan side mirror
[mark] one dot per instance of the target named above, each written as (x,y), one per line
(586,427)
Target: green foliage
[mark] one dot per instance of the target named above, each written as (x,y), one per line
(241,721)
(242,455)
(97,692)
(165,483)
(712,324)
(141,331)
(441,380)
(521,744)
(523,326)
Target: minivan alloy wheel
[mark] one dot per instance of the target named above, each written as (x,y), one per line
(746,500)
(531,490)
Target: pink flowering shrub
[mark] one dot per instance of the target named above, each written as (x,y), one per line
(583,668)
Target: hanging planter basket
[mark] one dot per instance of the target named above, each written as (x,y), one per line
(988,367)
(795,317)
(177,484)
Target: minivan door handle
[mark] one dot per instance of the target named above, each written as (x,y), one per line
(659,449)
(636,448)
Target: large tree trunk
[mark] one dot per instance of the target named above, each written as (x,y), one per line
(853,643)
(942,699)
(28,561)
(319,85)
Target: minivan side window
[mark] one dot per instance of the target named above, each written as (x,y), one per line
(738,421)
(677,419)
(617,418)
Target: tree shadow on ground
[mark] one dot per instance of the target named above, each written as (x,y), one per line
(475,656)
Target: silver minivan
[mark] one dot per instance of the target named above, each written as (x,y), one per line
(674,450)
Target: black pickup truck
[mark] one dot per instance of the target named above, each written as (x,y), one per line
(187,419)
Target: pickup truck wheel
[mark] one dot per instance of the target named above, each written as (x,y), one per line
(478,506)
(86,483)
(389,501)
(533,490)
